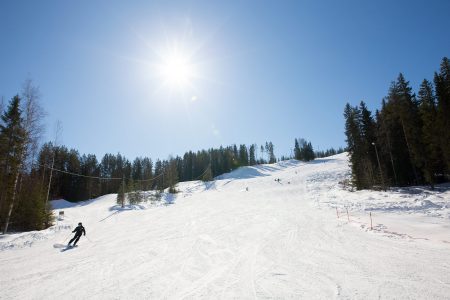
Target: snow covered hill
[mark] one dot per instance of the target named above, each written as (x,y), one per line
(262,232)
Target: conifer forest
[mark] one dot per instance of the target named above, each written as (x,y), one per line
(407,141)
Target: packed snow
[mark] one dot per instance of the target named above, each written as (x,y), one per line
(290,230)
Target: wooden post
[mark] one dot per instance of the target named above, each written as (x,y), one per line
(348,218)
(123,191)
(337,213)
(370,213)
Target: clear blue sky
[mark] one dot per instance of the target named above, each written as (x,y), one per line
(264,70)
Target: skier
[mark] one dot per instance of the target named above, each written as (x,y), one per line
(78,231)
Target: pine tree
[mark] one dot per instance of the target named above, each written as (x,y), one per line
(352,117)
(297,152)
(158,182)
(408,112)
(235,157)
(308,151)
(133,194)
(32,212)
(433,160)
(136,172)
(243,155)
(410,133)
(107,169)
(399,115)
(368,144)
(385,154)
(252,153)
(270,152)
(89,167)
(261,161)
(147,173)
(13,138)
(442,84)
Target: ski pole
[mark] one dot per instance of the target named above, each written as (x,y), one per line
(67,237)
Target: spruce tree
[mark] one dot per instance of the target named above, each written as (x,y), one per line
(270,152)
(308,151)
(352,117)
(297,152)
(408,113)
(383,140)
(235,157)
(147,173)
(137,169)
(399,118)
(159,176)
(32,212)
(262,155)
(13,138)
(368,144)
(442,84)
(432,155)
(252,155)
(243,155)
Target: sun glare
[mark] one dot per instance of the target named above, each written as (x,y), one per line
(177,67)
(176,70)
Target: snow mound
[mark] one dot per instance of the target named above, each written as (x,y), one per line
(27,239)
(427,204)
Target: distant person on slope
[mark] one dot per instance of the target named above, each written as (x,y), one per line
(78,231)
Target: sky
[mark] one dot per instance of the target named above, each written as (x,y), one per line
(159,78)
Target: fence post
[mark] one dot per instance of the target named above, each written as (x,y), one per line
(337,213)
(123,191)
(348,218)
(370,213)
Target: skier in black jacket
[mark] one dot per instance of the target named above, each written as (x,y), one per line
(78,231)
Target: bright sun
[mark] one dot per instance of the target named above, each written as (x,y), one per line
(177,70)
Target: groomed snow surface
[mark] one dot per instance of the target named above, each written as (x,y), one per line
(246,235)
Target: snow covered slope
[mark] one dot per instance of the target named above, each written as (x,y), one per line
(260,232)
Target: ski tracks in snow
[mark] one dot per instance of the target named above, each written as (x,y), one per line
(252,238)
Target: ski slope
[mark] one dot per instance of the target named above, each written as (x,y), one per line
(246,235)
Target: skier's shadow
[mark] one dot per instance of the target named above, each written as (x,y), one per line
(68,248)
(63,247)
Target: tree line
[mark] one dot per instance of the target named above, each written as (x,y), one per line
(328,152)
(407,141)
(110,173)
